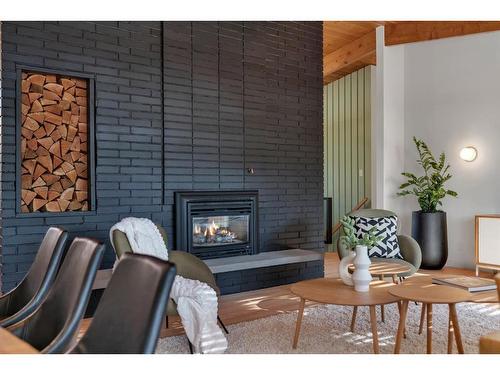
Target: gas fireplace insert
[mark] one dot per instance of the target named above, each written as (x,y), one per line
(215,224)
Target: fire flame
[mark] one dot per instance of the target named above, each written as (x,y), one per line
(212,228)
(213,233)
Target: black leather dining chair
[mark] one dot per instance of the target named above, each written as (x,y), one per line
(23,300)
(53,326)
(130,313)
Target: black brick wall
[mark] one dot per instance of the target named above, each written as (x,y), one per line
(179,105)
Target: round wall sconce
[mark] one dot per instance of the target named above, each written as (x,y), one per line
(468,153)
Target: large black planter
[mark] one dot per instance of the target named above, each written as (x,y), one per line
(429,230)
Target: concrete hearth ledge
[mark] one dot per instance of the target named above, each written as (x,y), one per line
(266,259)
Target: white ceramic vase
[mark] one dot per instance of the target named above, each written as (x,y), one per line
(361,275)
(344,264)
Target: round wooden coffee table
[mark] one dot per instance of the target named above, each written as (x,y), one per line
(429,294)
(381,269)
(335,292)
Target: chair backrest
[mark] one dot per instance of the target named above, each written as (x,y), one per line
(53,326)
(29,294)
(187,265)
(121,245)
(130,313)
(372,212)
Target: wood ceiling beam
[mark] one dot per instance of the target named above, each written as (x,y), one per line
(418,31)
(349,54)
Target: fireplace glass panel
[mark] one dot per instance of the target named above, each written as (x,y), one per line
(220,230)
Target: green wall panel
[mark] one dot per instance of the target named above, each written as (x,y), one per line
(347,129)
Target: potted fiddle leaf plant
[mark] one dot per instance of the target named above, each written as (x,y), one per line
(361,276)
(429,226)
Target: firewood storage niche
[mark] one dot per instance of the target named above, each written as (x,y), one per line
(54,146)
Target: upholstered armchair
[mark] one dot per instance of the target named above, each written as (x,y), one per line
(490,344)
(188,266)
(410,250)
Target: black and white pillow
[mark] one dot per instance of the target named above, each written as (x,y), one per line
(388,246)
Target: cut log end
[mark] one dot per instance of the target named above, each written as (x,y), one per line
(53,143)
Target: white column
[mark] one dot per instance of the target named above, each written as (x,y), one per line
(388,128)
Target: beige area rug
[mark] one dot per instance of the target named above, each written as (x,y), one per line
(325,329)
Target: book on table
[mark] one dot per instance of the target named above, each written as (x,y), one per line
(469,283)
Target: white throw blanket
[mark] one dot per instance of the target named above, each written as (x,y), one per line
(196,301)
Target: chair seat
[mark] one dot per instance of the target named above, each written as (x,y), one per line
(172,306)
(397,261)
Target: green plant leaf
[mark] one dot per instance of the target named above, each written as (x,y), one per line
(428,189)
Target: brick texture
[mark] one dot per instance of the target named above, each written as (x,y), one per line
(179,105)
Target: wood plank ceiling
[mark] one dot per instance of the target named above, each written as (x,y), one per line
(347,47)
(350,45)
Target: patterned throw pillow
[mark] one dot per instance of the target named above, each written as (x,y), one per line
(388,246)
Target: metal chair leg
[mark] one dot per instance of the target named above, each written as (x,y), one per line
(166,321)
(222,324)
(190,347)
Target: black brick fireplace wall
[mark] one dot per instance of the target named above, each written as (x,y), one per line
(179,106)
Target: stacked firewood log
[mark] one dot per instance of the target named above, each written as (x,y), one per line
(54,138)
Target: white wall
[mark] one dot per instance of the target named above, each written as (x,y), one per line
(388,127)
(452,100)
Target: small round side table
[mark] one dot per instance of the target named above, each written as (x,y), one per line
(383,269)
(429,294)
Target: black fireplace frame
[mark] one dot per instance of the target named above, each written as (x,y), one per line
(185,200)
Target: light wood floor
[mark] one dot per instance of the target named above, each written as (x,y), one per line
(256,304)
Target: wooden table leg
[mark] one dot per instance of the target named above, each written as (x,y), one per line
(429,328)
(373,320)
(394,279)
(422,318)
(456,328)
(382,309)
(401,327)
(353,320)
(450,334)
(399,309)
(299,322)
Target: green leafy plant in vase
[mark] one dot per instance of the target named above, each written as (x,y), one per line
(429,188)
(429,223)
(358,255)
(351,240)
